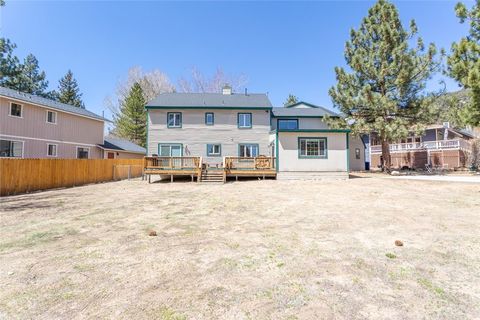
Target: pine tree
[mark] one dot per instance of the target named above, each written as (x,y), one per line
(290,100)
(131,121)
(9,63)
(464,61)
(384,92)
(69,92)
(30,79)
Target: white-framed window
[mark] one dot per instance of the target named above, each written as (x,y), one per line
(248,150)
(288,124)
(51,117)
(170,149)
(16,110)
(209,118)
(214,150)
(52,149)
(312,147)
(11,149)
(244,120)
(83,153)
(174,119)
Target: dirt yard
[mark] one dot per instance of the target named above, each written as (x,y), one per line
(244,250)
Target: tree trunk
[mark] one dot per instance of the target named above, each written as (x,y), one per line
(386,159)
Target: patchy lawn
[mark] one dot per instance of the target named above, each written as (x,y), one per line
(245,250)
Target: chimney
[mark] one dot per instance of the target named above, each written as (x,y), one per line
(227,90)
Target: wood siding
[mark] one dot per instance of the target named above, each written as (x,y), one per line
(195,135)
(69,131)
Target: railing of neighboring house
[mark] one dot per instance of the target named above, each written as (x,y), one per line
(173,163)
(253,163)
(426,145)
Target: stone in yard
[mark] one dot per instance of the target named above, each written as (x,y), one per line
(152,233)
(398,243)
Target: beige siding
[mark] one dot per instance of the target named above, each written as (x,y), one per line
(195,135)
(69,131)
(304,123)
(289,161)
(357,164)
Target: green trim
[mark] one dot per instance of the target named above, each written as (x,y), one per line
(248,144)
(181,120)
(312,157)
(213,118)
(210,107)
(348,152)
(293,119)
(170,144)
(238,120)
(318,130)
(214,155)
(276,151)
(305,103)
(146,144)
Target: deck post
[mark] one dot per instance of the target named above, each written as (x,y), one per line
(149,178)
(191,177)
(236,178)
(171,178)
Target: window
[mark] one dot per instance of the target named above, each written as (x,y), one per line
(51,117)
(174,120)
(244,120)
(214,150)
(209,118)
(12,149)
(15,110)
(170,150)
(248,150)
(288,124)
(357,153)
(312,147)
(82,153)
(52,150)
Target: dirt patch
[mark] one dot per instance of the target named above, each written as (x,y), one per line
(246,250)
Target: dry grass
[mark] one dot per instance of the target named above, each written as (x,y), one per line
(247,250)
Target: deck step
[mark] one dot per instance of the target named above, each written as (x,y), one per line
(212,176)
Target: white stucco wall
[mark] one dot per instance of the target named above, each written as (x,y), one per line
(357,164)
(289,161)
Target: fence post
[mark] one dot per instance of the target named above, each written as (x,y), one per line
(129,168)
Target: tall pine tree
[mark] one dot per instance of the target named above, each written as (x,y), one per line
(30,79)
(464,61)
(384,90)
(290,100)
(69,92)
(131,122)
(9,63)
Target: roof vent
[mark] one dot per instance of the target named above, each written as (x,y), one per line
(227,90)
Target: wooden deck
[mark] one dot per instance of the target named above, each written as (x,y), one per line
(261,167)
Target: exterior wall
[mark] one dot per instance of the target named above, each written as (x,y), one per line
(69,132)
(195,135)
(123,154)
(303,122)
(356,164)
(288,151)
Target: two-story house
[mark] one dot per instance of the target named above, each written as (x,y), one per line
(219,126)
(36,127)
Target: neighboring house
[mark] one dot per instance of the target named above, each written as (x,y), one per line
(218,125)
(36,127)
(440,146)
(118,148)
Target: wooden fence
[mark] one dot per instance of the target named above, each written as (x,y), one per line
(26,175)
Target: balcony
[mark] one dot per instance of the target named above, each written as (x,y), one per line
(426,145)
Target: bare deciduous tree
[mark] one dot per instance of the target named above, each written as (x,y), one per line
(198,82)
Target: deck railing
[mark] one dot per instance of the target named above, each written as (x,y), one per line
(173,163)
(426,145)
(253,163)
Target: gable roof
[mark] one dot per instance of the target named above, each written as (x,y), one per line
(115,143)
(302,102)
(303,112)
(52,104)
(210,100)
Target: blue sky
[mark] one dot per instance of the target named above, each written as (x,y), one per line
(282,47)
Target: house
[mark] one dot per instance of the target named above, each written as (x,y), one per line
(439,146)
(243,135)
(118,148)
(36,127)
